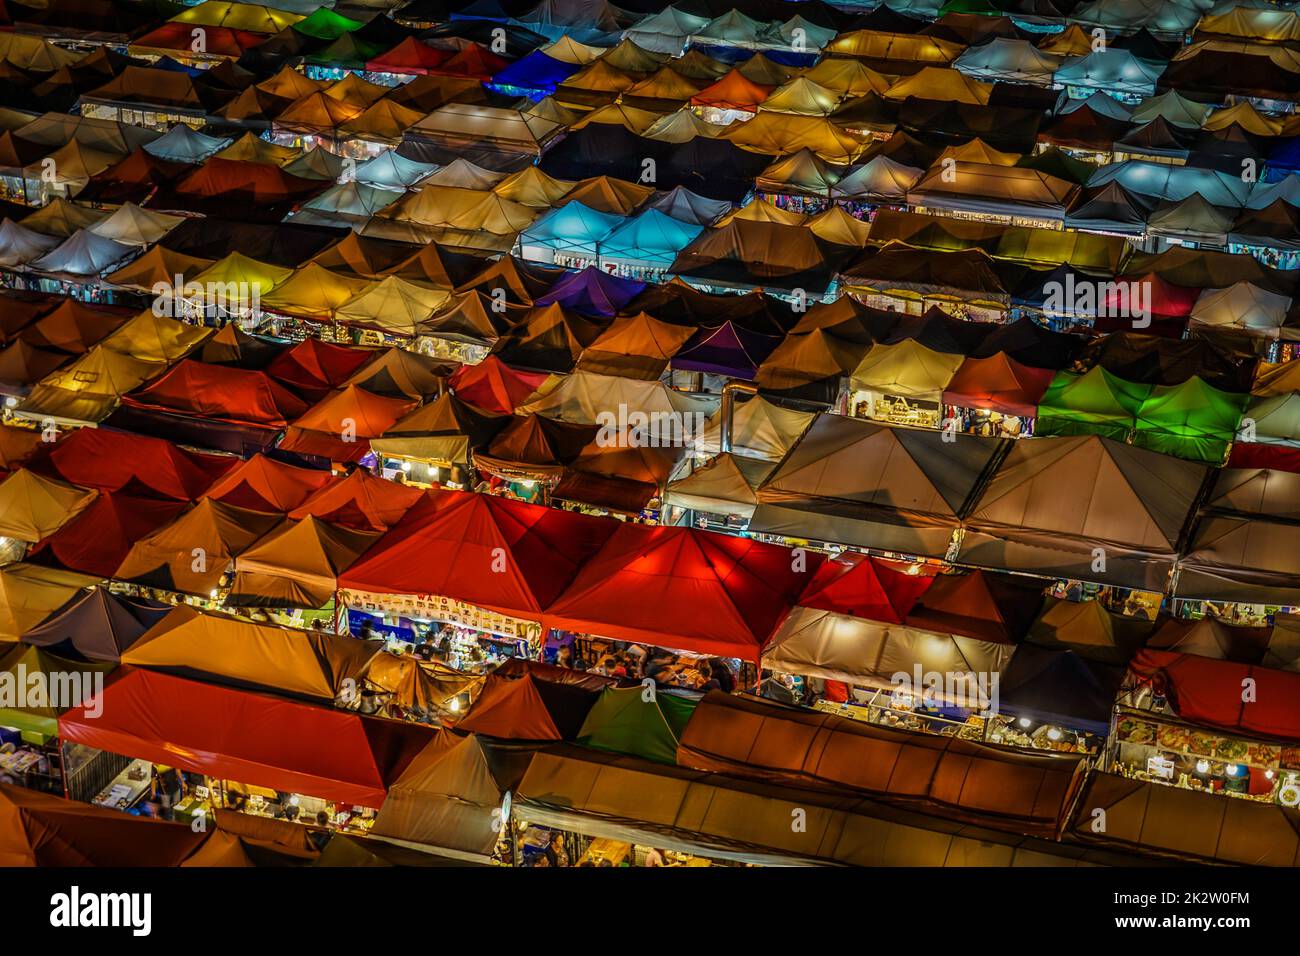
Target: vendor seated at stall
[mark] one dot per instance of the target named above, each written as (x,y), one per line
(657,668)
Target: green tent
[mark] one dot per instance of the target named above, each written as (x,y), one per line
(326,25)
(984,8)
(36,686)
(1094,403)
(624,722)
(1192,420)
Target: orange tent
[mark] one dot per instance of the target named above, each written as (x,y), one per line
(360,501)
(494,386)
(529,708)
(264,484)
(732,92)
(340,427)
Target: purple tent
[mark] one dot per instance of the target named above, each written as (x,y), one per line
(726,349)
(593,292)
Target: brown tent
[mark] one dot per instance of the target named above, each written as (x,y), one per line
(957,779)
(191,554)
(297,566)
(634,346)
(447,799)
(423,688)
(528,708)
(33,507)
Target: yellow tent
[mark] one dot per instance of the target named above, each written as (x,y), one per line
(297,565)
(35,54)
(426,687)
(939,83)
(33,507)
(356,91)
(88,389)
(157,265)
(1245,116)
(618,114)
(682,127)
(394,306)
(977,151)
(238,271)
(568,50)
(801,97)
(532,187)
(155,338)
(317,113)
(253,149)
(665,84)
(249,17)
(607,194)
(781,133)
(30,593)
(760,210)
(313,292)
(847,77)
(289,84)
(904,47)
(837,226)
(907,369)
(62,218)
(383,122)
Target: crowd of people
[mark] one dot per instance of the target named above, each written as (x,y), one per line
(662,666)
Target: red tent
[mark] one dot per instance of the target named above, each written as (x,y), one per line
(476,61)
(99,539)
(245,737)
(240,184)
(217,41)
(409,56)
(264,484)
(495,553)
(1259,455)
(360,501)
(1210,692)
(999,384)
(314,368)
(685,589)
(494,386)
(340,427)
(111,460)
(866,587)
(219,393)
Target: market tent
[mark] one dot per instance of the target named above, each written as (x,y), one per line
(339,427)
(314,368)
(44,686)
(732,92)
(88,389)
(997,190)
(441,432)
(399,373)
(224,649)
(634,587)
(134,226)
(818,643)
(22,244)
(573,229)
(998,383)
(873,486)
(907,369)
(720,816)
(1008,60)
(72,327)
(446,799)
(41,829)
(1193,420)
(858,585)
(759,429)
(1054,501)
(158,265)
(361,501)
(881,179)
(184,144)
(958,779)
(623,721)
(810,366)
(586,398)
(940,83)
(29,594)
(532,447)
(389,170)
(728,349)
(348,204)
(82,256)
(1094,403)
(1276,420)
(1090,629)
(726,485)
(33,507)
(548,339)
(1185,825)
(313,292)
(423,688)
(96,541)
(1217,639)
(251,17)
(246,737)
(110,460)
(1240,559)
(528,708)
(592,292)
(538,550)
(1244,306)
(986,605)
(96,625)
(634,346)
(296,565)
(191,554)
(264,484)
(1195,687)
(1060,686)
(1112,70)
(235,347)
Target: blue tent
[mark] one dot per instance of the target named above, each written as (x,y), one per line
(573,228)
(536,75)
(651,238)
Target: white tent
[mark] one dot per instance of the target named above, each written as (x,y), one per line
(727,485)
(1243,306)
(82,256)
(184,144)
(587,398)
(20,245)
(880,180)
(759,429)
(135,226)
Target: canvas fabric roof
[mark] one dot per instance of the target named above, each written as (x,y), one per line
(361,501)
(907,501)
(264,484)
(88,389)
(1240,559)
(297,565)
(215,730)
(442,432)
(585,398)
(166,559)
(446,798)
(906,368)
(224,649)
(221,394)
(111,460)
(1131,502)
(622,721)
(759,429)
(627,590)
(725,485)
(634,346)
(1094,403)
(972,782)
(29,594)
(33,507)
